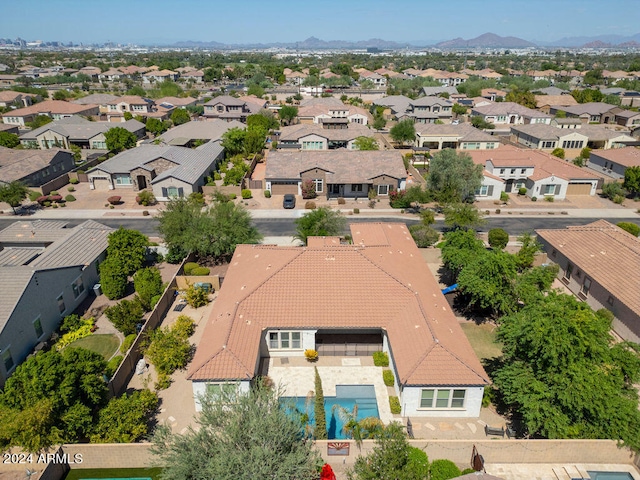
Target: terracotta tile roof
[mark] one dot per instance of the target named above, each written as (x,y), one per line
(604,252)
(296,132)
(507,108)
(379,282)
(556,100)
(53,107)
(462,131)
(627,156)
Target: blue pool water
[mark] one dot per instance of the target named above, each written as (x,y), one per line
(610,475)
(346,396)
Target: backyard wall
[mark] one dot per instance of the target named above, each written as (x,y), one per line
(182,280)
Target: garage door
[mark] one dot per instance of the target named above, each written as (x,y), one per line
(579,189)
(282,188)
(101,183)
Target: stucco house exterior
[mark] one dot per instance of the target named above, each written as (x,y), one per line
(378,288)
(614,163)
(226,107)
(335,173)
(600,263)
(166,171)
(46,271)
(510,113)
(592,112)
(462,136)
(56,109)
(34,168)
(315,137)
(330,109)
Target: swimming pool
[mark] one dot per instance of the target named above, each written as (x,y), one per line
(347,396)
(610,475)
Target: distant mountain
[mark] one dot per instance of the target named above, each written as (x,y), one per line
(612,40)
(487,40)
(311,43)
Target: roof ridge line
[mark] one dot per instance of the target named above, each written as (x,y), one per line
(460,360)
(421,359)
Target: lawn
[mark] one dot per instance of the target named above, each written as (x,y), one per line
(105,344)
(483,339)
(81,473)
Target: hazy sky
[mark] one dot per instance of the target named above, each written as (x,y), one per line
(251,21)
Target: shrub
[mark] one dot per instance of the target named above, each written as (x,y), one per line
(55,205)
(522,191)
(356,210)
(113,279)
(380,359)
(147,283)
(184,326)
(498,238)
(196,297)
(62,205)
(154,301)
(34,196)
(114,200)
(200,271)
(504,197)
(47,203)
(398,199)
(74,181)
(217,176)
(168,349)
(632,228)
(372,204)
(558,152)
(175,254)
(84,331)
(164,382)
(125,315)
(71,323)
(424,235)
(145,213)
(54,192)
(341,201)
(71,189)
(372,194)
(388,378)
(232,196)
(189,267)
(443,470)
(311,355)
(146,198)
(308,190)
(548,198)
(534,199)
(618,199)
(69,198)
(394,405)
(310,205)
(112,366)
(612,190)
(128,341)
(246,193)
(267,194)
(498,211)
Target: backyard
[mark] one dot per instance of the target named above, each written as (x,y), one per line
(483,339)
(138,473)
(104,344)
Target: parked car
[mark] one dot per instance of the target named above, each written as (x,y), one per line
(289,201)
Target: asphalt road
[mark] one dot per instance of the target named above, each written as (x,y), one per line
(286,227)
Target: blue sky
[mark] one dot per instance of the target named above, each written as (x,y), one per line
(251,21)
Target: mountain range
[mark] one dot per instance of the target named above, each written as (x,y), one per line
(487,40)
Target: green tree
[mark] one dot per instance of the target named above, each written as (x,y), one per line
(113,279)
(39,121)
(254,140)
(126,419)
(379,123)
(424,235)
(233,141)
(558,152)
(180,116)
(563,374)
(498,238)
(460,248)
(256,90)
(129,247)
(458,109)
(320,415)
(148,284)
(137,90)
(529,247)
(168,348)
(287,113)
(462,215)
(404,131)
(322,222)
(14,194)
(239,436)
(264,120)
(213,232)
(61,95)
(521,97)
(155,126)
(125,315)
(119,139)
(632,228)
(365,143)
(9,140)
(632,180)
(51,398)
(453,177)
(479,122)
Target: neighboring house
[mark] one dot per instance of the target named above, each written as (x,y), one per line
(547,91)
(600,263)
(111,75)
(8,80)
(462,136)
(100,99)
(9,129)
(336,173)
(509,113)
(34,167)
(166,171)
(428,110)
(76,131)
(90,71)
(626,118)
(605,138)
(190,133)
(566,123)
(226,107)
(294,77)
(380,81)
(548,137)
(545,102)
(9,98)
(493,94)
(437,91)
(592,112)
(46,271)
(630,98)
(133,104)
(331,110)
(614,163)
(315,137)
(56,109)
(195,76)
(374,295)
(175,102)
(159,76)
(395,105)
(543,175)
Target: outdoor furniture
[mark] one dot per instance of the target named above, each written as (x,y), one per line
(493,431)
(511,433)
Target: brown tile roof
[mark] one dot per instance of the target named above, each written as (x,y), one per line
(296,132)
(53,107)
(627,156)
(18,164)
(463,131)
(556,100)
(604,252)
(378,282)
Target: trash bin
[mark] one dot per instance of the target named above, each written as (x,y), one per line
(97,289)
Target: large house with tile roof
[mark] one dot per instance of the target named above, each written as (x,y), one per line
(614,163)
(56,109)
(34,168)
(463,136)
(335,173)
(228,108)
(376,292)
(592,112)
(315,137)
(600,264)
(509,113)
(549,137)
(46,271)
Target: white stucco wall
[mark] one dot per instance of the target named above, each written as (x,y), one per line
(410,403)
(200,390)
(307,340)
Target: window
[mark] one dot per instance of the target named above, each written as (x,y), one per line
(356,187)
(319,183)
(567,273)
(554,252)
(610,300)
(444,398)
(383,189)
(61,306)
(549,189)
(513,170)
(471,146)
(502,118)
(228,390)
(572,144)
(78,287)
(313,145)
(285,340)
(482,191)
(37,326)
(99,145)
(491,146)
(586,286)
(7,359)
(523,171)
(548,144)
(502,171)
(122,179)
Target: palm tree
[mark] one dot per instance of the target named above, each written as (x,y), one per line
(368,427)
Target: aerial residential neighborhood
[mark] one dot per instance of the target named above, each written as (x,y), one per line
(226,252)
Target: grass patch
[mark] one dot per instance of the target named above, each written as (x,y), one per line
(80,473)
(104,344)
(483,339)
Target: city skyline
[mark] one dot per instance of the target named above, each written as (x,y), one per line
(163,22)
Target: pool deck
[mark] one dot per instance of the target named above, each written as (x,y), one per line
(549,471)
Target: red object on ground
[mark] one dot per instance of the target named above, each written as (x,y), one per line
(327,473)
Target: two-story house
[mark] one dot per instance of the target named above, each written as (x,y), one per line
(503,114)
(56,109)
(226,107)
